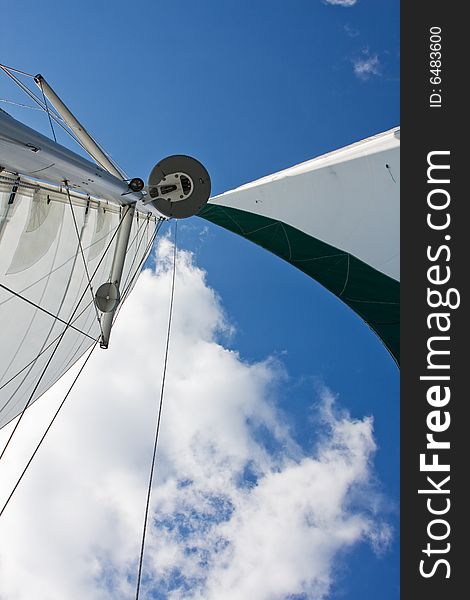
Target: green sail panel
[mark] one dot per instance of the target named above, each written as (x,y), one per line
(336,218)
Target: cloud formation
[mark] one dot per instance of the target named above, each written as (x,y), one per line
(367,66)
(341,2)
(239,508)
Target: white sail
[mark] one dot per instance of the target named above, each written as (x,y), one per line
(41,265)
(61,265)
(335,217)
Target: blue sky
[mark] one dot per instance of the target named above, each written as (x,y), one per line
(248,88)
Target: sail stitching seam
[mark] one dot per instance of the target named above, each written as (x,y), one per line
(347,277)
(288,241)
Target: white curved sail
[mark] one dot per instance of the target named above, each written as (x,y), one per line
(41,265)
(335,217)
(73,237)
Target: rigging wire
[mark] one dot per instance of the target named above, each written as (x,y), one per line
(49,360)
(61,337)
(47,110)
(128,284)
(47,430)
(57,118)
(131,243)
(157,430)
(124,296)
(30,93)
(145,230)
(20,104)
(83,256)
(38,445)
(60,266)
(41,353)
(128,287)
(44,310)
(43,104)
(17,71)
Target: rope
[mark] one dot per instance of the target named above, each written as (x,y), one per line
(27,91)
(75,310)
(83,256)
(61,336)
(17,71)
(44,310)
(128,286)
(157,228)
(40,354)
(144,225)
(47,110)
(157,430)
(54,115)
(129,274)
(46,431)
(20,104)
(57,118)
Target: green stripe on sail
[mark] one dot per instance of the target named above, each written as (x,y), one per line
(375,297)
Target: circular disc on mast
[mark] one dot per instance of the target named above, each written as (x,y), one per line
(107,297)
(179,186)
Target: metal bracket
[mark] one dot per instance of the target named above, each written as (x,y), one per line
(14,189)
(117,267)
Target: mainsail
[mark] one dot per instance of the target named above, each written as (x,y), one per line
(336,218)
(44,280)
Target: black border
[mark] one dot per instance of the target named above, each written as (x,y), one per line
(424,129)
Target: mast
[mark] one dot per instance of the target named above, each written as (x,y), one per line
(179,186)
(82,134)
(108,295)
(110,292)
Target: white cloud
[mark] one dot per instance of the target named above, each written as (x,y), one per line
(341,2)
(367,66)
(239,509)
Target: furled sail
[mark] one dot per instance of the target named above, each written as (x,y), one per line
(336,218)
(56,246)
